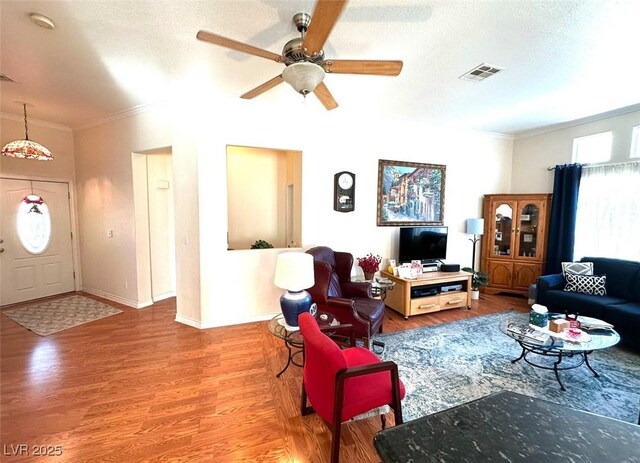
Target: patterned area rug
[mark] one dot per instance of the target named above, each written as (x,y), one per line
(453,363)
(50,317)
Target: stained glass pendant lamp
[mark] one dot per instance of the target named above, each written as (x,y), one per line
(26,149)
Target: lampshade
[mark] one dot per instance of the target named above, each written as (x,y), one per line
(26,149)
(294,271)
(304,77)
(475,226)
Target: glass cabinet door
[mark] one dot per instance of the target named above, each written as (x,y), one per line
(503,217)
(527,230)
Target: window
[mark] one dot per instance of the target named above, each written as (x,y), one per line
(635,142)
(608,217)
(592,148)
(34,224)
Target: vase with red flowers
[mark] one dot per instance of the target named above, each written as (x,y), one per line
(369,264)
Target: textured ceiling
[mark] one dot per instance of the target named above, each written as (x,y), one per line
(563,60)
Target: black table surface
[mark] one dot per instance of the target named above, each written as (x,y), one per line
(510,427)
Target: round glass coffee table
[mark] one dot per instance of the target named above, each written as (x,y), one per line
(292,337)
(557,347)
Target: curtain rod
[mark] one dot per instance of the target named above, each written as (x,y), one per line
(598,164)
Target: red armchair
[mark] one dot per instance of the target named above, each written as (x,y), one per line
(342,384)
(350,302)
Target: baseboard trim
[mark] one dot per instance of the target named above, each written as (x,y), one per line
(188,321)
(203,325)
(118,299)
(256,318)
(163,296)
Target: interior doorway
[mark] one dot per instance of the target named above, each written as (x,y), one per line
(155,224)
(36,250)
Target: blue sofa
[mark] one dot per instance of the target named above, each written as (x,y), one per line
(620,307)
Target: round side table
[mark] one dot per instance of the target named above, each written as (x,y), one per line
(293,339)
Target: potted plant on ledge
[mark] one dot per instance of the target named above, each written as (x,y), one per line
(477,279)
(261,244)
(370,264)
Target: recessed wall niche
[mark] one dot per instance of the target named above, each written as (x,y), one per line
(264,197)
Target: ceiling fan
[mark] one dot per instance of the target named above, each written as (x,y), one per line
(304,58)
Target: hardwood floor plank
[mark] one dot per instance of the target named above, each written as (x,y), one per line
(118,406)
(141,387)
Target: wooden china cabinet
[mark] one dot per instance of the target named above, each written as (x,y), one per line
(514,244)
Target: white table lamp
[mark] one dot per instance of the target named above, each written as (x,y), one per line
(294,272)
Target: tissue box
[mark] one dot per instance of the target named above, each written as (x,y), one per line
(557,326)
(538,319)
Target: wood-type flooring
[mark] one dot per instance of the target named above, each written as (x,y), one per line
(139,386)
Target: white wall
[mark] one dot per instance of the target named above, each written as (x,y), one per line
(253,195)
(533,154)
(161,226)
(238,285)
(106,201)
(142,236)
(216,286)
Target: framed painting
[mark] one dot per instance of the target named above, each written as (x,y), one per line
(410,193)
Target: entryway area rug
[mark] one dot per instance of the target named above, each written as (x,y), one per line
(452,363)
(49,317)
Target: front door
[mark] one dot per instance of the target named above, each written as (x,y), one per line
(35,240)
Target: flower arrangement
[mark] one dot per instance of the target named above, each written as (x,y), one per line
(370,263)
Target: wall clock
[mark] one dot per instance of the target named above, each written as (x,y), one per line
(344,191)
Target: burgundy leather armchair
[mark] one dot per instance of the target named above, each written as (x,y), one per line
(335,293)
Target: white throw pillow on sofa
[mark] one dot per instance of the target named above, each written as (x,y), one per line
(577,268)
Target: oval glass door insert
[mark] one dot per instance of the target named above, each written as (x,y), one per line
(34,224)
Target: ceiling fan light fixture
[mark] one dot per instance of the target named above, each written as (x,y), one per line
(304,77)
(26,149)
(42,21)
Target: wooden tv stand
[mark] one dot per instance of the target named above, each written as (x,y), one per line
(400,300)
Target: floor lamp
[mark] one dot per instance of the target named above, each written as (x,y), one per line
(475,227)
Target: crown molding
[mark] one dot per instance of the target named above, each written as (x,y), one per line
(576,122)
(51,125)
(456,128)
(498,135)
(143,108)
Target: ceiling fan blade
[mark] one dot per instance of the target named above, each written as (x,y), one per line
(378,68)
(324,17)
(269,84)
(235,45)
(325,96)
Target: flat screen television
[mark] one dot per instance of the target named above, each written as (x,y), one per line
(424,243)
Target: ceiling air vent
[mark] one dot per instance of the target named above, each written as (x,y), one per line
(481,72)
(5,78)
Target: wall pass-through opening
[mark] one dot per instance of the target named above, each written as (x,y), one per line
(264,197)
